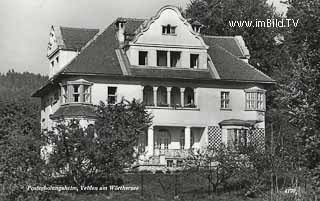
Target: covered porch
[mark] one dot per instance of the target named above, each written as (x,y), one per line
(167,145)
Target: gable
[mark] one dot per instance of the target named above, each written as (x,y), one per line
(55,40)
(184,36)
(68,38)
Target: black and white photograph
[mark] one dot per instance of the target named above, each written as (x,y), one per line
(160,100)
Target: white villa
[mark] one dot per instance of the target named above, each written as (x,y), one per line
(200,89)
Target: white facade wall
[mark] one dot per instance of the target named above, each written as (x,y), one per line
(64,57)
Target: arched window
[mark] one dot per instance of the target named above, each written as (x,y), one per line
(162,139)
(175,97)
(189,97)
(162,96)
(148,96)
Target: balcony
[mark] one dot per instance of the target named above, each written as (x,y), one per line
(171,153)
(173,98)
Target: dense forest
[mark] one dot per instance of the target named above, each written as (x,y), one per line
(16,86)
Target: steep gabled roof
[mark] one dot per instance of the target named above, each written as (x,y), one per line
(231,67)
(230,43)
(132,24)
(76,38)
(98,57)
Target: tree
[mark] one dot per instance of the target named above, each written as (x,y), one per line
(84,156)
(223,168)
(300,88)
(215,15)
(20,162)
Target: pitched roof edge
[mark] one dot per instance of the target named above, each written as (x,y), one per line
(249,65)
(212,68)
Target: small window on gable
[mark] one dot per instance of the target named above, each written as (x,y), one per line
(143,58)
(112,95)
(52,63)
(168,29)
(194,60)
(57,59)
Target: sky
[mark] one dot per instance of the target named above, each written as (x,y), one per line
(25,24)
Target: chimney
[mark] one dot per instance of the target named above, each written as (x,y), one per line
(120,23)
(196,26)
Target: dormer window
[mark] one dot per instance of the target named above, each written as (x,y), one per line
(143,58)
(169,30)
(194,60)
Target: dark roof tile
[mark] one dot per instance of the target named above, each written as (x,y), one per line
(230,67)
(76,38)
(99,57)
(227,42)
(72,111)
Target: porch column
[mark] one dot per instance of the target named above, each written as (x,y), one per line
(141,93)
(155,95)
(182,96)
(187,137)
(169,96)
(195,91)
(150,140)
(168,59)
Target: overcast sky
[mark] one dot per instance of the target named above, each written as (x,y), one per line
(25,24)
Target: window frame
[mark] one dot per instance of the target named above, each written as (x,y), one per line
(115,95)
(255,100)
(169,30)
(239,134)
(177,59)
(166,58)
(145,58)
(67,92)
(197,56)
(225,100)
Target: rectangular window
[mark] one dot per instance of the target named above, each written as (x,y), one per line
(225,100)
(168,29)
(237,137)
(255,101)
(52,63)
(169,163)
(194,61)
(161,58)
(175,59)
(76,93)
(112,95)
(57,59)
(143,58)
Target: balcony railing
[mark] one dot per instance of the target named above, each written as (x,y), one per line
(171,153)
